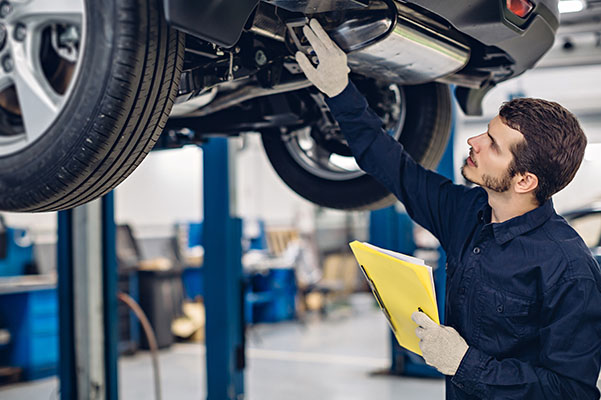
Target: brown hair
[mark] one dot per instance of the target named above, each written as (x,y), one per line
(553,147)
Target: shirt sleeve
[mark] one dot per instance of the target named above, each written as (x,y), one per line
(568,366)
(431,200)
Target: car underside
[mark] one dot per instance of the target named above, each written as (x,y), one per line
(228,68)
(254,84)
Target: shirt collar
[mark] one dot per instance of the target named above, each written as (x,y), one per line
(505,231)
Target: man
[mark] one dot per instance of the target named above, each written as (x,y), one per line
(523,307)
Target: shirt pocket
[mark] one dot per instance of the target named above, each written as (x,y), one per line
(505,320)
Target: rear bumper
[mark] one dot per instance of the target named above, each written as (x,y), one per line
(523,40)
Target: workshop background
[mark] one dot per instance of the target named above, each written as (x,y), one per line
(313,329)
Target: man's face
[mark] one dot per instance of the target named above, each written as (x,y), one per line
(490,156)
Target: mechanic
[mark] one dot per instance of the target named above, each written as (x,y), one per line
(523,305)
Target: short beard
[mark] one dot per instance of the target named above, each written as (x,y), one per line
(494,184)
(497,185)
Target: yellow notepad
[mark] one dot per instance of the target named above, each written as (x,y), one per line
(401,284)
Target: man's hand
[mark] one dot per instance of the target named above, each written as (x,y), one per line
(442,347)
(331,75)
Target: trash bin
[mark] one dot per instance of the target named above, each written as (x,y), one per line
(161,298)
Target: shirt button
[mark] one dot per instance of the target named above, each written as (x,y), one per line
(500,308)
(476,250)
(461,290)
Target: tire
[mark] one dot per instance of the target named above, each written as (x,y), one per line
(424,132)
(119,100)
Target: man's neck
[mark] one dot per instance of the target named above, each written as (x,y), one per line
(506,206)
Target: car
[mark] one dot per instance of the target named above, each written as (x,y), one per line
(88,88)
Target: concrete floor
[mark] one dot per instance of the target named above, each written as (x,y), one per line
(327,359)
(330,359)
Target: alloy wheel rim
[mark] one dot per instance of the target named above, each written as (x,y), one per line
(40,61)
(328,165)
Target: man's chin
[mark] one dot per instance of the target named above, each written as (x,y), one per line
(464,174)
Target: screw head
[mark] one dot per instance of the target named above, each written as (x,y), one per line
(5,9)
(20,32)
(7,63)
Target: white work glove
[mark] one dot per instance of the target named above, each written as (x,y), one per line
(331,74)
(442,347)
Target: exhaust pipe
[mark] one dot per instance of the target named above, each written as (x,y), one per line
(384,40)
(411,53)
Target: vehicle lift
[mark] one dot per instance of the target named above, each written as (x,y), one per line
(87,290)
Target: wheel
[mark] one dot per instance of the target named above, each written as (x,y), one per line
(316,163)
(86,87)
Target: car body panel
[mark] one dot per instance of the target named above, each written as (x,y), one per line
(217,21)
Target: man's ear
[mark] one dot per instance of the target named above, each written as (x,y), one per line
(526,183)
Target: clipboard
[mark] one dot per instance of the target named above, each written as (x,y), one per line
(401,285)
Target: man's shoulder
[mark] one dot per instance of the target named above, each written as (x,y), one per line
(573,259)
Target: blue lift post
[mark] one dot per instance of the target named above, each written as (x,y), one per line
(393,230)
(224,289)
(74,266)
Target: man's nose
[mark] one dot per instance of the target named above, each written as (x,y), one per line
(473,142)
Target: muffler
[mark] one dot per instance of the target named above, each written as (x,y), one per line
(411,53)
(387,40)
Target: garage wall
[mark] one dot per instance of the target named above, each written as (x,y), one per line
(261,192)
(165,189)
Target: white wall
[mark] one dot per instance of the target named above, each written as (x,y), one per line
(165,189)
(261,192)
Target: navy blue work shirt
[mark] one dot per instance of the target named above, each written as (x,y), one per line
(525,294)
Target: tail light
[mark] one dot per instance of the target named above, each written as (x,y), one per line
(521,8)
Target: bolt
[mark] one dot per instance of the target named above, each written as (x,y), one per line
(7,63)
(5,9)
(20,32)
(260,58)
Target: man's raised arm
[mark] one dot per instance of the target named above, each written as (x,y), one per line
(430,199)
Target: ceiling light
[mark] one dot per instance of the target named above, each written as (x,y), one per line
(570,6)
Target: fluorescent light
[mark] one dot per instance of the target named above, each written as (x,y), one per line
(569,6)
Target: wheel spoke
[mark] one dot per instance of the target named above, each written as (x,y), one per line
(5,80)
(36,13)
(39,102)
(322,157)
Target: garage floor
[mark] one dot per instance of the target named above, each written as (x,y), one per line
(329,359)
